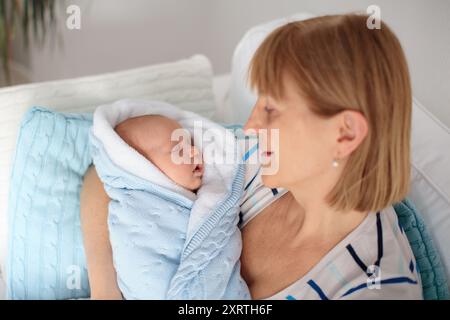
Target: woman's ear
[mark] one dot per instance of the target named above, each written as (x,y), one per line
(353,129)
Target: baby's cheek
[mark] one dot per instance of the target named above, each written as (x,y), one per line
(186,171)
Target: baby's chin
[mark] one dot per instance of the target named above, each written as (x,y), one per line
(193,184)
(196,184)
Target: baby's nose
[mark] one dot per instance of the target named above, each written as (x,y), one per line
(196,154)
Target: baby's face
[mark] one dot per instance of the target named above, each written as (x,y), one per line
(169,156)
(152,137)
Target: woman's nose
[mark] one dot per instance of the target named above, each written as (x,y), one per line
(253,124)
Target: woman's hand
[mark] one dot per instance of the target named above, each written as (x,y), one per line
(94,215)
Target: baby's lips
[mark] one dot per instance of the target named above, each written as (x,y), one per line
(198,171)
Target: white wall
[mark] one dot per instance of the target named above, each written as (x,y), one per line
(118,34)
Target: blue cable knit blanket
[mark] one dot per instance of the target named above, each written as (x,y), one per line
(167,242)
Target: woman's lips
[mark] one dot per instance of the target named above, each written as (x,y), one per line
(266,154)
(266,158)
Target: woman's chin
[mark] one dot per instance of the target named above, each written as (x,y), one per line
(270,180)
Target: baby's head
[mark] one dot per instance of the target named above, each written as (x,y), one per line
(151,136)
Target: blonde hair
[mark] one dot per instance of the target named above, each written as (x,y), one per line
(339,64)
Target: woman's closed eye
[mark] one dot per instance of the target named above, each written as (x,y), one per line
(267,109)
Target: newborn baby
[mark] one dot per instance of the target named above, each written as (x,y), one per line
(151,136)
(174,210)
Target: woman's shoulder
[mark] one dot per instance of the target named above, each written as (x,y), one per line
(375,261)
(391,269)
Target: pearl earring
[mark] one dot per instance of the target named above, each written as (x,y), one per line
(335,163)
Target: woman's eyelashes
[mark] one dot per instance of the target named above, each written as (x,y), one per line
(267,109)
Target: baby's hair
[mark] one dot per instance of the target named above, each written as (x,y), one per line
(128,128)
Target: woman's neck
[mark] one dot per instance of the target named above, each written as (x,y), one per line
(315,219)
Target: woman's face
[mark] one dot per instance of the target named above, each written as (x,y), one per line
(305,148)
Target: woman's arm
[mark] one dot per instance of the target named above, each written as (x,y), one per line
(94,215)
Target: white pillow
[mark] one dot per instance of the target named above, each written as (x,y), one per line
(430,188)
(430,184)
(186,83)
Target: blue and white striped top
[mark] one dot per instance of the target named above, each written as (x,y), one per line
(374,261)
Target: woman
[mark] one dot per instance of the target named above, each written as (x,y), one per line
(322,226)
